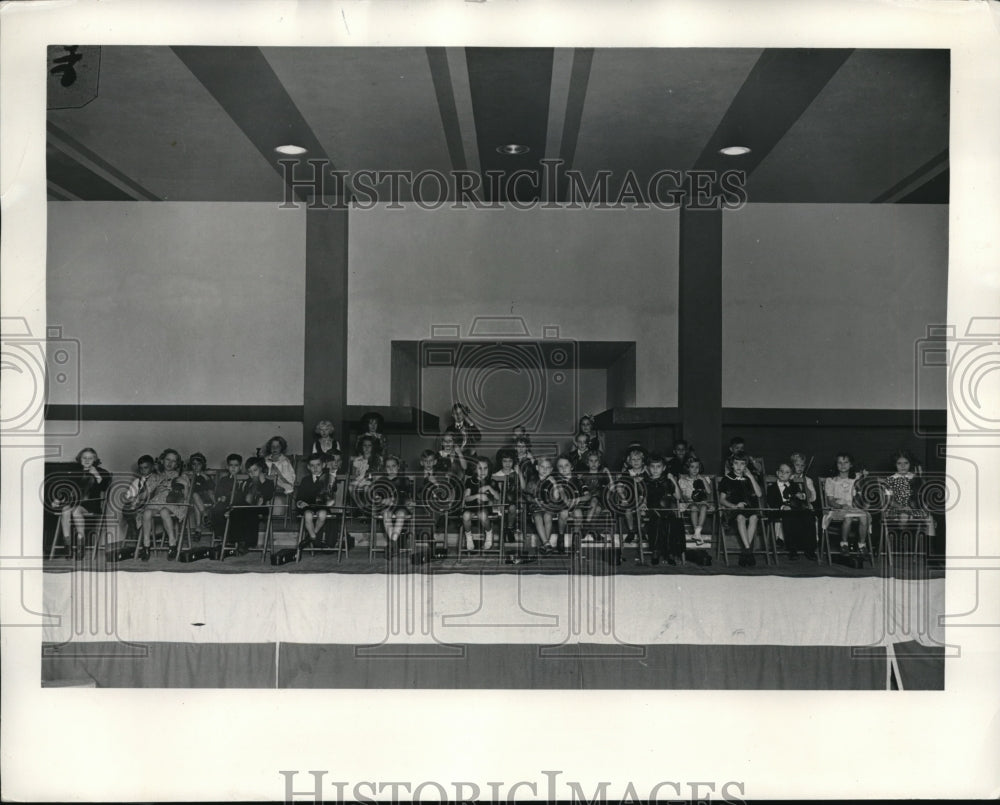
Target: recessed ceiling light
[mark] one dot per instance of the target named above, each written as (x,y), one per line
(512,149)
(290,149)
(734,150)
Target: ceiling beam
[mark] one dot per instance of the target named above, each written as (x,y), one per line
(922,176)
(243,83)
(780,87)
(73,149)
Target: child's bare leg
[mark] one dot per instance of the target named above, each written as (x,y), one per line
(168,526)
(741,528)
(309,520)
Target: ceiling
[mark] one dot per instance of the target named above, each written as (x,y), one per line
(202,123)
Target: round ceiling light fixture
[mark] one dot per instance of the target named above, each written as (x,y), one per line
(293,150)
(734,150)
(513,149)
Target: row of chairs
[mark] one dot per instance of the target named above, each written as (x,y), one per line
(427,527)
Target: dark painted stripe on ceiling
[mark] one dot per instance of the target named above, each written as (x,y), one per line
(103,164)
(57,194)
(578,82)
(914,178)
(78,179)
(780,87)
(175,413)
(243,83)
(936,191)
(510,102)
(441,76)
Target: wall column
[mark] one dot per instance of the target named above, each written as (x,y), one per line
(700,333)
(324,393)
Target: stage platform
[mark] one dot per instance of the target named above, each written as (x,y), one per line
(557,623)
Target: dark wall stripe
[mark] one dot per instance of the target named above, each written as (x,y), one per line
(138,189)
(830,417)
(246,87)
(699,343)
(510,101)
(780,87)
(80,180)
(324,392)
(441,76)
(175,413)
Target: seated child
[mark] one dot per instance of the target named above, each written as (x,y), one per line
(252,500)
(313,498)
(694,495)
(629,486)
(577,454)
(395,515)
(538,497)
(789,500)
(434,495)
(480,497)
(570,498)
(509,482)
(666,532)
(371,428)
(451,459)
(800,474)
(739,496)
(364,465)
(139,491)
(202,488)
(903,488)
(523,458)
(676,466)
(755,465)
(596,480)
(279,468)
(224,491)
(843,503)
(167,502)
(587,427)
(324,441)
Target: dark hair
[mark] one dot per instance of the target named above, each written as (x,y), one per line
(460,407)
(97,460)
(691,459)
(898,454)
(506,452)
(200,456)
(522,440)
(679,442)
(280,440)
(656,458)
(145,458)
(428,454)
(335,453)
(740,456)
(255,461)
(316,457)
(737,440)
(379,419)
(234,457)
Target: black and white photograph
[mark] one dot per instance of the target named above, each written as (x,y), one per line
(543,388)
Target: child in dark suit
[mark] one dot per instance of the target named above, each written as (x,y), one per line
(789,499)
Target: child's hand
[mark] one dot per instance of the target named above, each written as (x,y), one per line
(741,505)
(301,504)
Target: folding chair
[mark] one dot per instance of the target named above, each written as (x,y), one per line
(265,518)
(724,530)
(181,524)
(902,533)
(339,511)
(93,524)
(829,520)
